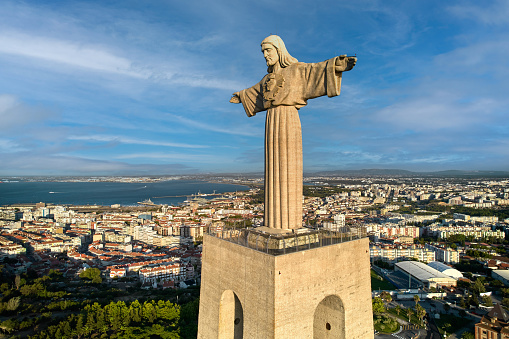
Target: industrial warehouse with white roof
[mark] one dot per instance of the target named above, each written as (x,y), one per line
(426,275)
(445,269)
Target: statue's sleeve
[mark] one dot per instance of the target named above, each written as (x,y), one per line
(321,79)
(252,99)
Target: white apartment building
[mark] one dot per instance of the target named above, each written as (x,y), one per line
(173,272)
(143,233)
(389,231)
(395,253)
(338,224)
(478,232)
(445,255)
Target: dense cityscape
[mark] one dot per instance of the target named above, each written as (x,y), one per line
(65,262)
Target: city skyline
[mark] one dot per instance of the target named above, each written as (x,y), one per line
(126,88)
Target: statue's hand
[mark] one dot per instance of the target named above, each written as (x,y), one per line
(235,98)
(345,63)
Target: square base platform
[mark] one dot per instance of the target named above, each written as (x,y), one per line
(322,292)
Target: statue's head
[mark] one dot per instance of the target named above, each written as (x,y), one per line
(275,53)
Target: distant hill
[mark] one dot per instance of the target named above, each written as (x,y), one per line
(404,173)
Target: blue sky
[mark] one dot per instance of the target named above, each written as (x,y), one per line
(142,87)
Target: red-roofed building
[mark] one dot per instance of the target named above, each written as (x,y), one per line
(118,272)
(493,325)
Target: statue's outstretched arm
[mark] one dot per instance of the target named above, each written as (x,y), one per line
(345,63)
(235,99)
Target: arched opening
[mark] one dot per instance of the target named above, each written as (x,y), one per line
(329,319)
(231,316)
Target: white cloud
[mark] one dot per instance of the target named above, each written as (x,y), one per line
(489,52)
(15,115)
(9,146)
(98,58)
(209,127)
(194,158)
(491,12)
(435,112)
(126,140)
(66,52)
(37,164)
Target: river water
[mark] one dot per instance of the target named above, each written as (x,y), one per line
(108,193)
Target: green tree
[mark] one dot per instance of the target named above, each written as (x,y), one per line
(67,330)
(149,312)
(79,326)
(13,304)
(487,300)
(478,286)
(416,299)
(135,311)
(386,296)
(92,274)
(101,321)
(112,313)
(496,283)
(409,313)
(473,300)
(378,305)
(463,303)
(467,335)
(4,287)
(125,315)
(17,281)
(397,309)
(420,312)
(36,289)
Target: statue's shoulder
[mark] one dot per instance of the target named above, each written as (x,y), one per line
(294,67)
(298,64)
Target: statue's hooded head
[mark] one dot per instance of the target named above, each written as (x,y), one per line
(285,59)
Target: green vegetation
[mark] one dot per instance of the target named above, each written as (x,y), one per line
(450,323)
(383,318)
(379,283)
(383,264)
(378,305)
(57,307)
(258,198)
(322,191)
(152,319)
(479,254)
(435,207)
(471,266)
(420,312)
(402,313)
(385,324)
(92,274)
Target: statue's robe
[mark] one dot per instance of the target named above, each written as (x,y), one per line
(283,135)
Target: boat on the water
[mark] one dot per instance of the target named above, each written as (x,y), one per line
(147,202)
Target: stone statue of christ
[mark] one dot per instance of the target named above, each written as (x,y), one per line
(286,88)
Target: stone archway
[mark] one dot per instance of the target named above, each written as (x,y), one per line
(231,316)
(329,319)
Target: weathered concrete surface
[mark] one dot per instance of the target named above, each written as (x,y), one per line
(318,293)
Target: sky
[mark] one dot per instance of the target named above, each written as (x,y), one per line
(143,87)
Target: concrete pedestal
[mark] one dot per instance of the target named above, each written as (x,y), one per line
(322,292)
